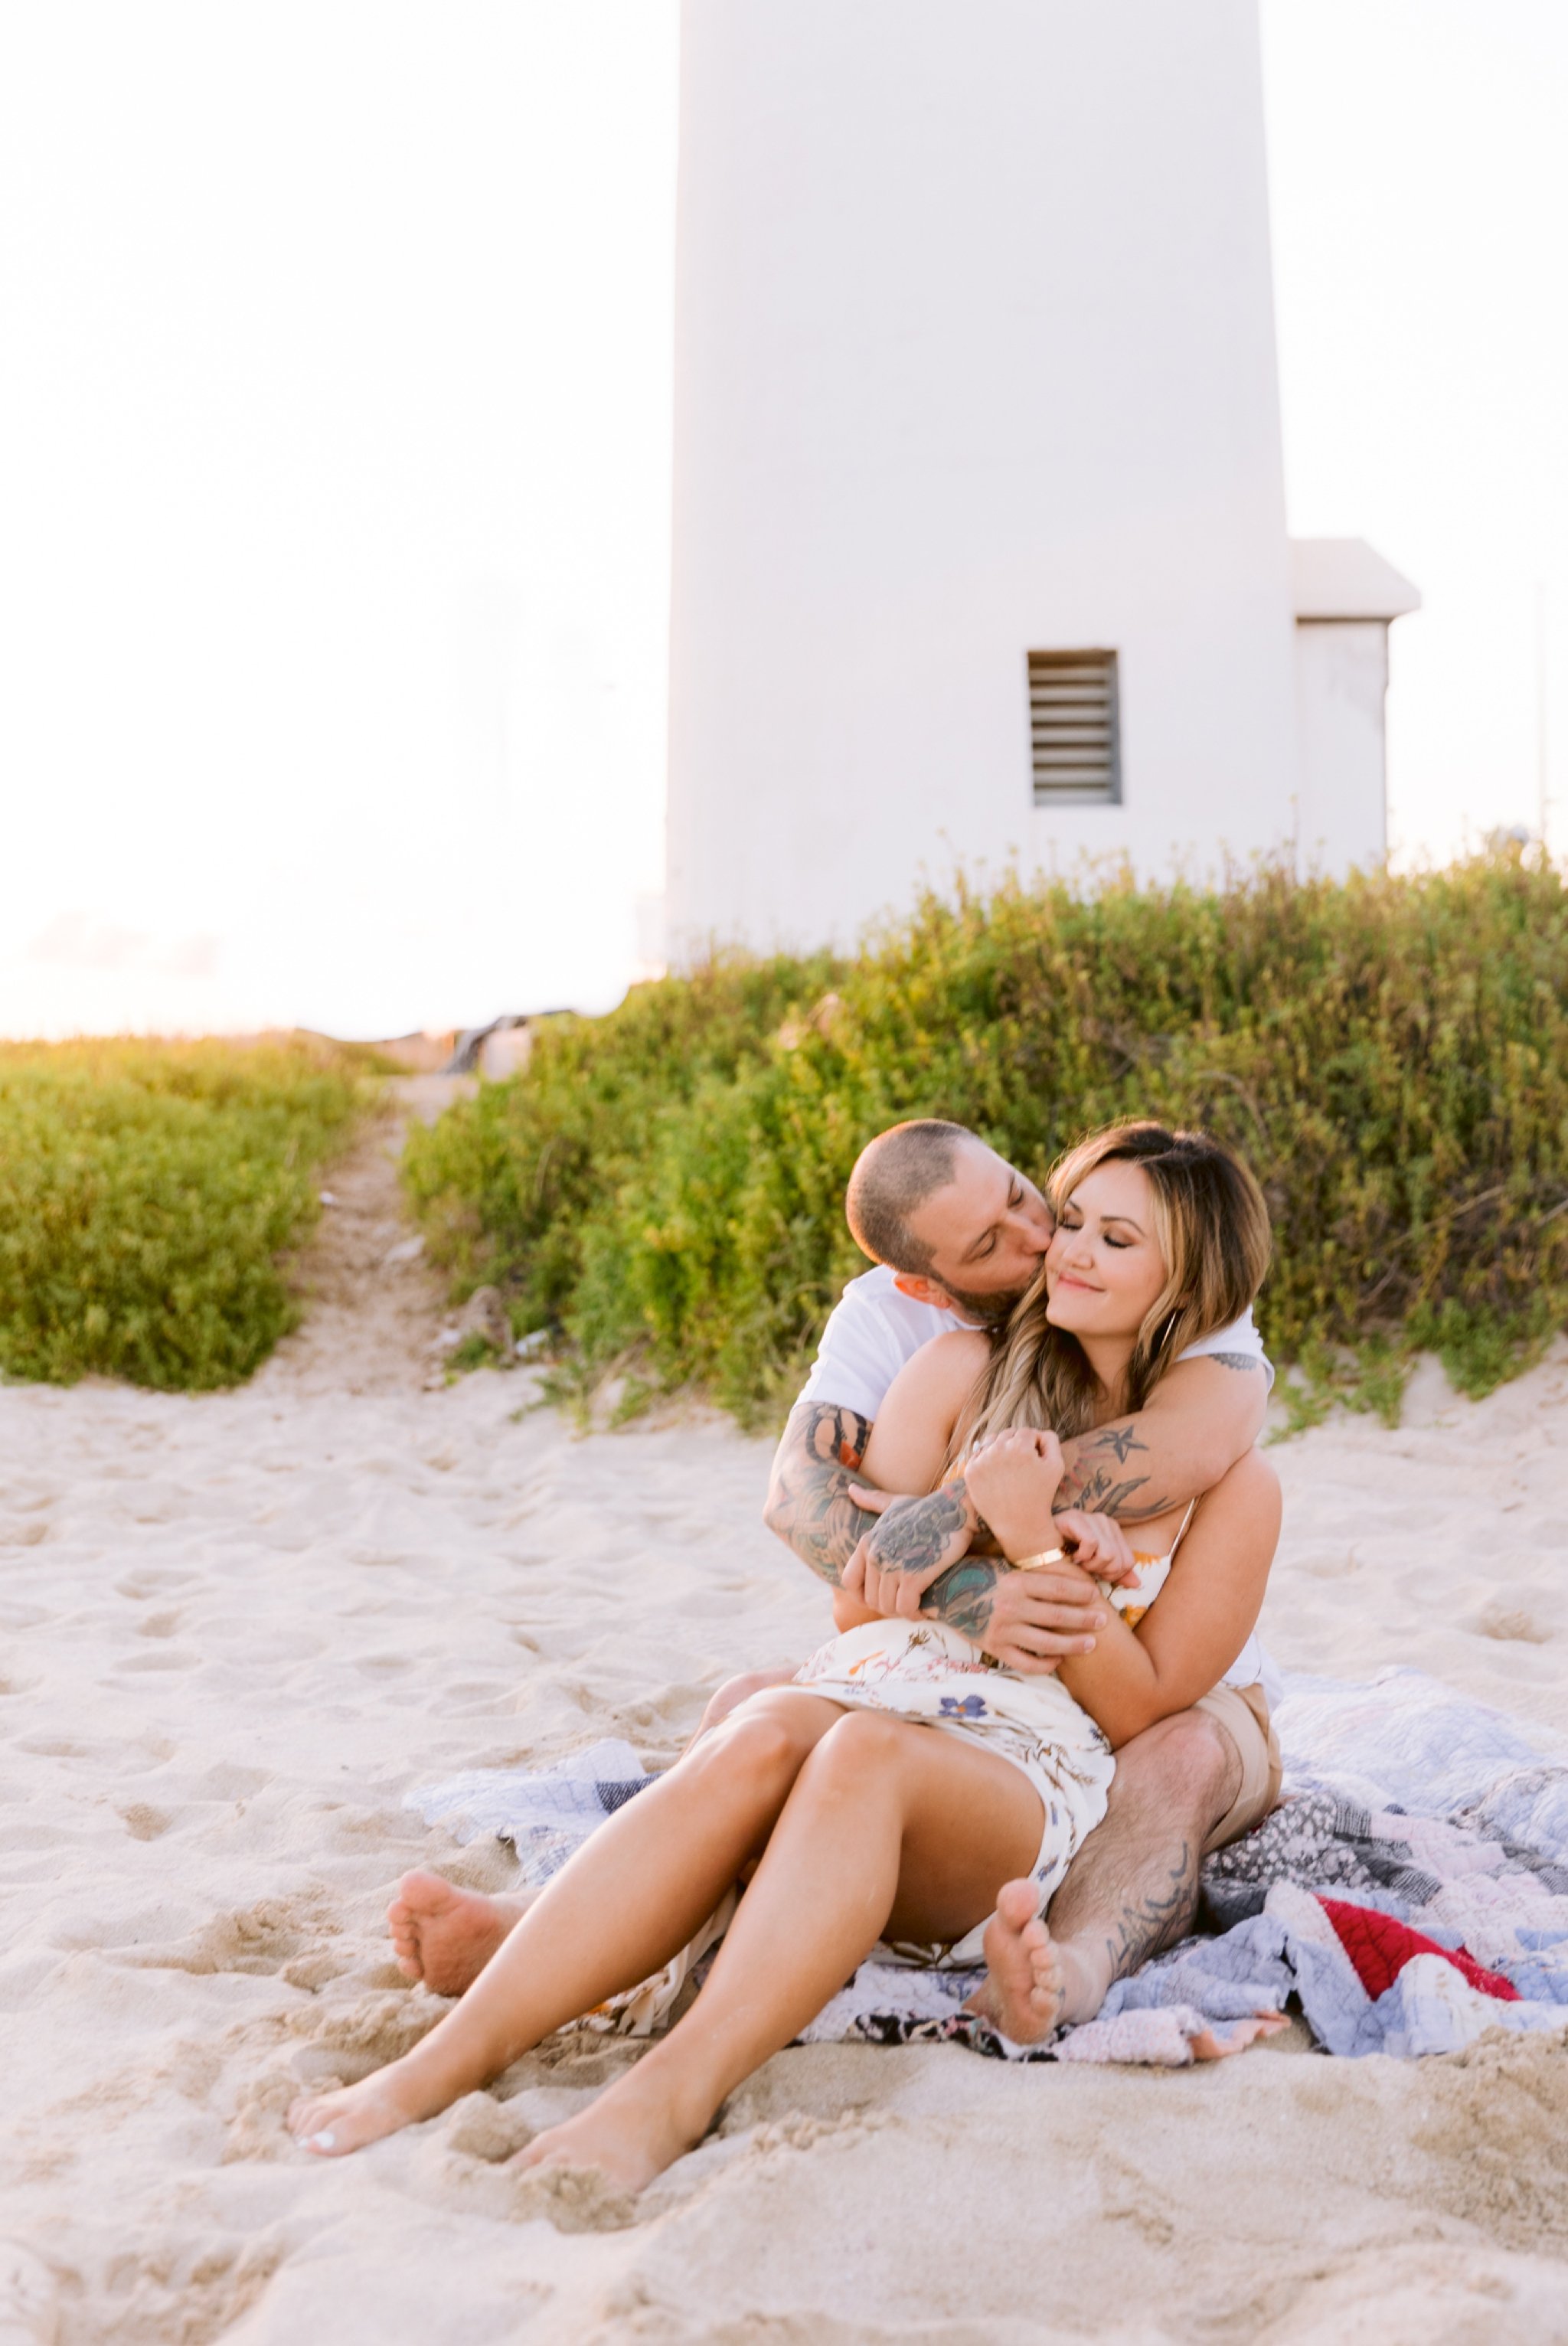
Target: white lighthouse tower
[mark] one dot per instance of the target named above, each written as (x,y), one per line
(980,543)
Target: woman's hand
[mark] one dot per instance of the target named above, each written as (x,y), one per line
(1099,1544)
(1012,1481)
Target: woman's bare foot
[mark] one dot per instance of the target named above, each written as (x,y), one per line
(443,1936)
(1026,1983)
(332,2123)
(630,2135)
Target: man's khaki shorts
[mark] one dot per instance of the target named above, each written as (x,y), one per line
(1243,1712)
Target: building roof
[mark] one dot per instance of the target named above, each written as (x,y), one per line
(1345,579)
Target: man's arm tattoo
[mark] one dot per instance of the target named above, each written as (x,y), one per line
(1101,1495)
(1089,1481)
(966,1595)
(1122,1440)
(915,1533)
(808,1503)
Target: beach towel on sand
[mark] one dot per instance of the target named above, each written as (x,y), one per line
(1411,1890)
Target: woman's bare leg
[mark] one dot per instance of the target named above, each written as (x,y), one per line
(893,1828)
(625,1905)
(443,1936)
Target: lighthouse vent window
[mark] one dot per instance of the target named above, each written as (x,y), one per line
(1075,731)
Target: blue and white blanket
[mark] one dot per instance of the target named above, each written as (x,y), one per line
(1411,1890)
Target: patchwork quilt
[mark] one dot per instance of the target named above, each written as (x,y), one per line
(1411,1891)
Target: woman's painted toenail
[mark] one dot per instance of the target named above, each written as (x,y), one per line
(327,2141)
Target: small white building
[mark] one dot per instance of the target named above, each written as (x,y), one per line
(1344,596)
(980,548)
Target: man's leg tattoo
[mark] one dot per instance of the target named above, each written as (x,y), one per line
(1146,1925)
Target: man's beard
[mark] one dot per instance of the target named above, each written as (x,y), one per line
(990,1311)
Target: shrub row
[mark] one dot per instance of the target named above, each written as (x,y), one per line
(146,1193)
(1391,1054)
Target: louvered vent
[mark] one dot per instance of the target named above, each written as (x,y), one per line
(1073,729)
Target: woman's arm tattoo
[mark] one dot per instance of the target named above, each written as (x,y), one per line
(808,1503)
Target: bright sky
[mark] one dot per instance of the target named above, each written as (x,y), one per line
(335,417)
(1418,181)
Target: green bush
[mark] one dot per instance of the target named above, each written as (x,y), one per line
(1390,1055)
(146,1192)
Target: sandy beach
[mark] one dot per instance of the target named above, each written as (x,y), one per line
(237,1628)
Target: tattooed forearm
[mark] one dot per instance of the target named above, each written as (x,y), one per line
(964,1594)
(1089,1481)
(1120,1439)
(808,1503)
(1101,1495)
(916,1534)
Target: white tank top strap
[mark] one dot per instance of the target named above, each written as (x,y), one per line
(1182,1529)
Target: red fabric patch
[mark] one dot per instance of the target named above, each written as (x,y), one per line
(1379,1947)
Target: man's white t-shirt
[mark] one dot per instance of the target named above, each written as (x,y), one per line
(875,1328)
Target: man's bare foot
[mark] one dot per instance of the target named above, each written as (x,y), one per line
(443,1936)
(629,2135)
(332,2123)
(1026,1983)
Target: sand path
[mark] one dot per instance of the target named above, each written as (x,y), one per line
(236,1629)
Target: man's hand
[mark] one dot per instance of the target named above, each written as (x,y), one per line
(1095,1543)
(1029,1620)
(886,1594)
(916,1540)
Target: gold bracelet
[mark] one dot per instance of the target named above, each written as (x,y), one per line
(1038,1563)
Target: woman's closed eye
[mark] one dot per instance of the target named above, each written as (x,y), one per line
(1072,1224)
(1108,1236)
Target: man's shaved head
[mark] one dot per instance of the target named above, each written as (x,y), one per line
(956,1225)
(894,1177)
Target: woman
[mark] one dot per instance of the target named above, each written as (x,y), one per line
(862,1822)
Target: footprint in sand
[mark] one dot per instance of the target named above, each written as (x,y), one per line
(144,1822)
(158,1624)
(1512,1626)
(29,2298)
(142,1587)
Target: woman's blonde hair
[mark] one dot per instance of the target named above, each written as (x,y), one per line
(1211,1227)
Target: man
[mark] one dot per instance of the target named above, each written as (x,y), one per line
(957,1235)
